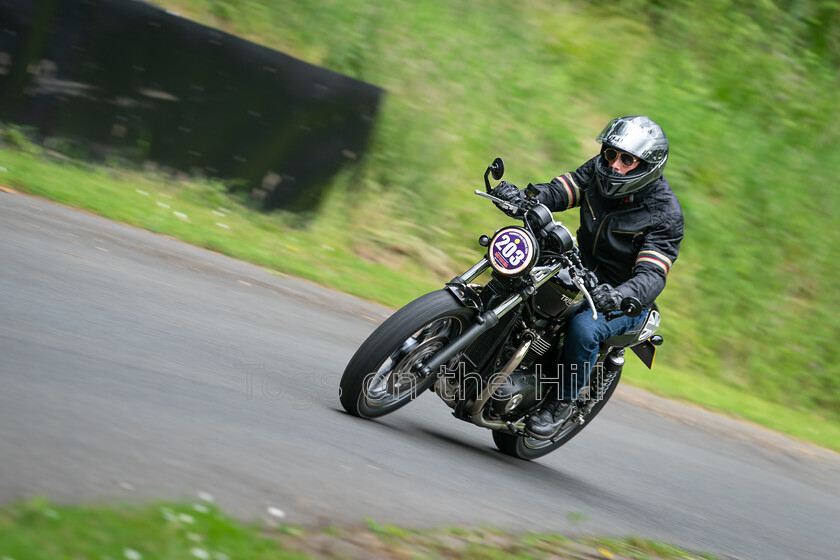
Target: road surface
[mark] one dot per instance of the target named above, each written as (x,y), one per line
(136,367)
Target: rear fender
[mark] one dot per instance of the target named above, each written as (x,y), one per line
(636,336)
(639,340)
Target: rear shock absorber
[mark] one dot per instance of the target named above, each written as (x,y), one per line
(612,365)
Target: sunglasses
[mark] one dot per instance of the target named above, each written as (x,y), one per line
(626,158)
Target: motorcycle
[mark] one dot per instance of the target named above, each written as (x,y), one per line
(484,348)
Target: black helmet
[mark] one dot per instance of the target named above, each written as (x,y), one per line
(640,137)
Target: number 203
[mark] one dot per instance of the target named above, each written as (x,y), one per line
(509,250)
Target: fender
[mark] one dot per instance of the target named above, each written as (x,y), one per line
(465,294)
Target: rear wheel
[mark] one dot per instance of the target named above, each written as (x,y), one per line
(384,375)
(528,448)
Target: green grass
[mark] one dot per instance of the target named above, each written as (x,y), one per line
(734,401)
(193,211)
(639,548)
(38,529)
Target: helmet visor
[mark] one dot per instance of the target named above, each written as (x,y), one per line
(626,135)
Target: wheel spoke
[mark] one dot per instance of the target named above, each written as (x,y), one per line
(398,375)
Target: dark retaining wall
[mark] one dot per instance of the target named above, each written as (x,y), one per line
(122,76)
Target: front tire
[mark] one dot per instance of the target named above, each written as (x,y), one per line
(528,448)
(383,374)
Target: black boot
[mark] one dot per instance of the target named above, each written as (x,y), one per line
(546,422)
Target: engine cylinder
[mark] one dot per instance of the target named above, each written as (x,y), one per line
(539,346)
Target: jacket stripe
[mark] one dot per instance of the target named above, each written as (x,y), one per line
(658,255)
(656,258)
(572,189)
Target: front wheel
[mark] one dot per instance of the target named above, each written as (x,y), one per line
(528,448)
(384,375)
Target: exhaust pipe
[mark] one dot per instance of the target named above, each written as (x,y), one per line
(476,416)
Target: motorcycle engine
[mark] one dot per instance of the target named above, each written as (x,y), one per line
(516,395)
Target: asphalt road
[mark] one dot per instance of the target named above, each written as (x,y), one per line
(136,367)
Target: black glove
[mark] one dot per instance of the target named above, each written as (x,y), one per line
(507,192)
(606,298)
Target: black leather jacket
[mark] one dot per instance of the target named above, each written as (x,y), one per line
(629,243)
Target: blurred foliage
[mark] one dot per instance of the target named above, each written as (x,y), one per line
(18,138)
(745,90)
(39,529)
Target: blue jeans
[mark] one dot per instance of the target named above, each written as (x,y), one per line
(583,340)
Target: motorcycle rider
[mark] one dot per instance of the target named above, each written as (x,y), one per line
(631,225)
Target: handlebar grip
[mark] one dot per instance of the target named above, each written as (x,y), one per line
(631,306)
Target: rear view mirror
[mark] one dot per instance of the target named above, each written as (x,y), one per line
(497,169)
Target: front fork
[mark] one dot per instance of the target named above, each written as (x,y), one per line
(484,320)
(473,273)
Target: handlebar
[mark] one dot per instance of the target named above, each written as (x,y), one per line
(497,200)
(520,207)
(630,306)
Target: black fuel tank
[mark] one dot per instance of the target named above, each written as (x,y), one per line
(558,297)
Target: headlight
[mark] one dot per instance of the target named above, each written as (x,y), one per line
(512,251)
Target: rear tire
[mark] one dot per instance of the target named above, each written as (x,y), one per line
(527,448)
(382,376)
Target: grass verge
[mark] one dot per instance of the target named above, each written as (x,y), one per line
(734,401)
(38,529)
(204,214)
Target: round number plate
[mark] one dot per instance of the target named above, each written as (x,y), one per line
(512,251)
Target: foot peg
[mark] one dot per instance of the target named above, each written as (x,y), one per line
(514,430)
